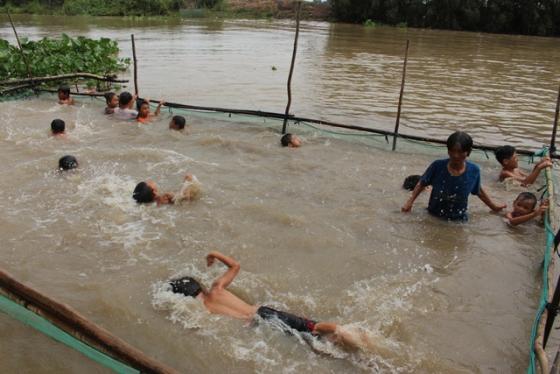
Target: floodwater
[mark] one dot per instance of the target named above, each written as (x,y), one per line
(317,230)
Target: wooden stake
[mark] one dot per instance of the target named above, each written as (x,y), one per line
(20,48)
(555,126)
(397,123)
(135,66)
(298,9)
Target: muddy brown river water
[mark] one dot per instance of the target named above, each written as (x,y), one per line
(318,230)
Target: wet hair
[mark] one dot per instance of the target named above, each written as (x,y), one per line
(527,196)
(143,193)
(125,98)
(286,140)
(179,122)
(64,89)
(187,286)
(411,181)
(504,152)
(67,162)
(461,138)
(140,102)
(57,126)
(109,97)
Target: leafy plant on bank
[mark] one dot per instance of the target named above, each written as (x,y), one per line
(61,56)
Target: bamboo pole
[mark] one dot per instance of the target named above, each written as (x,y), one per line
(398,120)
(20,47)
(555,126)
(135,65)
(298,9)
(79,326)
(49,78)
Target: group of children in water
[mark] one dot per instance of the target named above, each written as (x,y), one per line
(452,180)
(455,178)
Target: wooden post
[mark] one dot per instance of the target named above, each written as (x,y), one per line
(555,126)
(20,48)
(397,123)
(135,66)
(298,9)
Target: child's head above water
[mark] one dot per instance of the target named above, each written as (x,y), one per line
(411,181)
(177,123)
(67,162)
(125,98)
(143,109)
(145,192)
(111,99)
(186,286)
(290,140)
(506,156)
(58,126)
(525,203)
(63,92)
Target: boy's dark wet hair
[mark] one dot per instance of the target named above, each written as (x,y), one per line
(139,103)
(143,193)
(109,96)
(187,286)
(125,98)
(179,122)
(286,140)
(64,89)
(527,196)
(67,162)
(504,152)
(463,139)
(58,126)
(411,181)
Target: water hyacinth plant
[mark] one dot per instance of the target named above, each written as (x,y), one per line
(66,55)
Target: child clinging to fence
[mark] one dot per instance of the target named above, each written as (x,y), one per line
(144,114)
(453,179)
(507,157)
(525,209)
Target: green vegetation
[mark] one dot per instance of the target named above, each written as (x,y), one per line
(369,23)
(529,17)
(61,56)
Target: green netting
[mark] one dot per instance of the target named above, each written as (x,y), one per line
(543,299)
(24,315)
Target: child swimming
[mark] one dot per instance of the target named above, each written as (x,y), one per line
(58,127)
(524,209)
(453,179)
(148,192)
(112,101)
(125,111)
(507,157)
(177,123)
(290,140)
(64,95)
(144,114)
(67,162)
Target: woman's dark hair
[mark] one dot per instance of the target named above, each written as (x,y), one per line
(179,122)
(64,89)
(410,182)
(461,138)
(286,140)
(504,152)
(125,98)
(143,193)
(527,196)
(57,126)
(109,96)
(187,286)
(67,162)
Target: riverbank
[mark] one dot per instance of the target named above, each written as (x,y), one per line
(186,9)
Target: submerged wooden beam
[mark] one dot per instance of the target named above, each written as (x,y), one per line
(75,324)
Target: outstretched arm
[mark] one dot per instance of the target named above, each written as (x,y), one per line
(158,109)
(229,275)
(482,195)
(531,178)
(514,221)
(407,207)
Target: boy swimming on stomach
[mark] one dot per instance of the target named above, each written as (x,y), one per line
(219,300)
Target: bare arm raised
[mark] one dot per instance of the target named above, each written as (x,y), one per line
(228,277)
